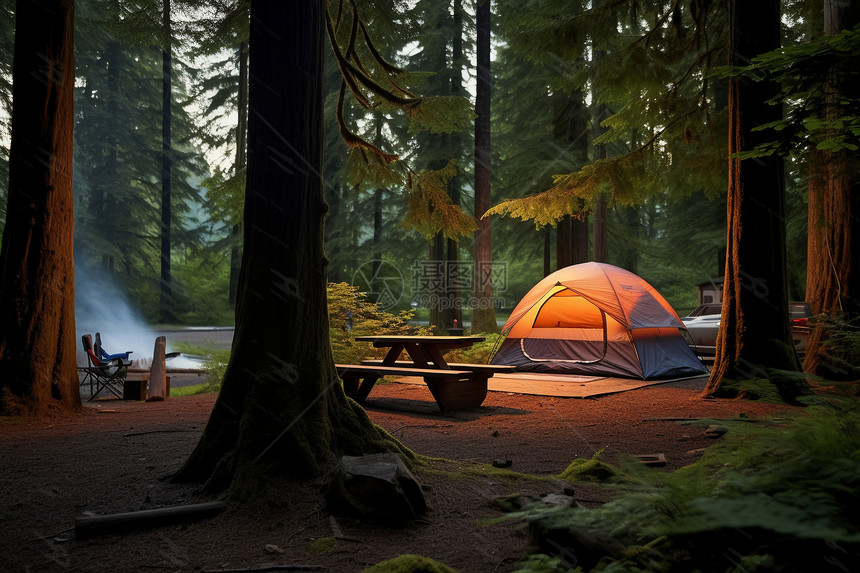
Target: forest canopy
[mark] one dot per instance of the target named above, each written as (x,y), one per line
(655,73)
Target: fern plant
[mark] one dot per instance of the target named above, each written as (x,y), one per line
(778,497)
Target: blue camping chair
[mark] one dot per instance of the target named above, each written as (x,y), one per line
(102,375)
(103,355)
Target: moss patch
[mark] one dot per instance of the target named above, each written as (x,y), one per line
(324,545)
(409,564)
(591,470)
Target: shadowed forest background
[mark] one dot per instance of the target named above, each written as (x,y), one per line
(442,157)
(664,214)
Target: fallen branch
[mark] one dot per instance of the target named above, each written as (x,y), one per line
(92,525)
(267,568)
(423,426)
(752,420)
(51,535)
(155,432)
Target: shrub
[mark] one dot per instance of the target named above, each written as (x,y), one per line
(367,319)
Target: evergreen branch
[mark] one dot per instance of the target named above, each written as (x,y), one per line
(664,129)
(339,14)
(344,66)
(386,65)
(353,36)
(430,209)
(380,91)
(353,76)
(351,139)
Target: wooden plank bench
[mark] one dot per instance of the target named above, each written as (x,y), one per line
(452,389)
(478,368)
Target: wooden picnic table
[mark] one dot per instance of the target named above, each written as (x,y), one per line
(425,351)
(453,386)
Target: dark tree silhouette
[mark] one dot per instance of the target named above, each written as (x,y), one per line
(166,290)
(38,370)
(754,341)
(281,411)
(483,315)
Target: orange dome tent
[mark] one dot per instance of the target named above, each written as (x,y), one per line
(596,319)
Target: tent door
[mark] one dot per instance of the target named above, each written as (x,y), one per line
(569,360)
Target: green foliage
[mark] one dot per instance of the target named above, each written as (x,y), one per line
(841,342)
(666,126)
(202,297)
(118,150)
(430,208)
(478,353)
(194,390)
(666,169)
(225,195)
(215,364)
(367,319)
(409,563)
(440,115)
(542,563)
(817,115)
(774,497)
(843,339)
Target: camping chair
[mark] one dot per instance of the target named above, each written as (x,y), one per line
(102,375)
(103,354)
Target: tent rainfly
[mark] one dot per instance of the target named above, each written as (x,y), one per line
(600,320)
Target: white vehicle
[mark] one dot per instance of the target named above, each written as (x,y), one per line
(703,324)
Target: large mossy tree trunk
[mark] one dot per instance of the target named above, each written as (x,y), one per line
(38,370)
(754,341)
(833,248)
(281,411)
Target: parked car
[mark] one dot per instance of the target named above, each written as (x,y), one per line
(703,324)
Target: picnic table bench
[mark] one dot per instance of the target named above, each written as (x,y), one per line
(453,386)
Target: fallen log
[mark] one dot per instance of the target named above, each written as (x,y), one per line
(267,569)
(92,525)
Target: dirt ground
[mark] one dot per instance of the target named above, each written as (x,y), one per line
(114,457)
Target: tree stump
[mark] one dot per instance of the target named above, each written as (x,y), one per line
(158,372)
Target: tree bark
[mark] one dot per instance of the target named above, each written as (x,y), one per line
(239,165)
(547,251)
(754,341)
(571,126)
(483,312)
(281,411)
(438,278)
(166,291)
(103,203)
(453,292)
(579,238)
(563,243)
(833,247)
(600,246)
(38,370)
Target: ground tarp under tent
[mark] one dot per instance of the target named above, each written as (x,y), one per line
(599,320)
